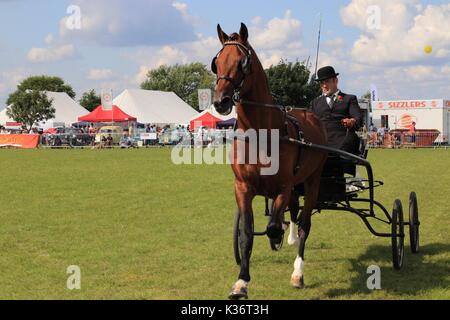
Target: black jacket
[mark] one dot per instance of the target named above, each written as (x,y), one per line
(345,106)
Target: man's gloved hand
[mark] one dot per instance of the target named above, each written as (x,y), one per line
(349,123)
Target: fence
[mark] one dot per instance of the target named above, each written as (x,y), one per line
(217,138)
(406,139)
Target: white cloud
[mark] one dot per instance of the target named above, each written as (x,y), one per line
(130,23)
(165,56)
(100,74)
(51,54)
(406,28)
(9,80)
(277,32)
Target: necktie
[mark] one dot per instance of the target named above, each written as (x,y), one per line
(330,101)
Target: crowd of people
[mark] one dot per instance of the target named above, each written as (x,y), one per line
(385,137)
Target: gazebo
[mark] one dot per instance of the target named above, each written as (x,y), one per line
(102,115)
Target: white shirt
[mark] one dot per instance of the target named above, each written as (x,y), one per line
(332,97)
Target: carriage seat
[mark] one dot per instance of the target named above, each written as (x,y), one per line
(333,181)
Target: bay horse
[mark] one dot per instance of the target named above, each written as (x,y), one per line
(241,80)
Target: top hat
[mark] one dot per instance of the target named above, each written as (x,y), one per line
(326,73)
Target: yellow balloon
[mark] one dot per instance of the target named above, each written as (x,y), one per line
(428,49)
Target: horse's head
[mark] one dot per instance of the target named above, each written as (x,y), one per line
(231,65)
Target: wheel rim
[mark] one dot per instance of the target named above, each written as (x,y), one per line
(413,222)
(397,235)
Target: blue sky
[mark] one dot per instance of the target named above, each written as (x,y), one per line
(119,41)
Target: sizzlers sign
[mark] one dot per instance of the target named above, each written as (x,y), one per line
(411,104)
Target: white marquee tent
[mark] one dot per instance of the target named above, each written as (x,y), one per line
(155,107)
(67,111)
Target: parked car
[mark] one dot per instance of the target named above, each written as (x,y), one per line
(172,136)
(67,137)
(114,131)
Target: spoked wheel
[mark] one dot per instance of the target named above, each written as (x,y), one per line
(398,235)
(413,223)
(237,237)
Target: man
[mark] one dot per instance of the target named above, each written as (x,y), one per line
(412,132)
(339,112)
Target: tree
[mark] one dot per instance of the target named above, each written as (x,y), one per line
(90,100)
(291,84)
(367,96)
(43,83)
(30,107)
(183,80)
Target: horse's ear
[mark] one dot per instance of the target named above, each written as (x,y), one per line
(223,37)
(243,33)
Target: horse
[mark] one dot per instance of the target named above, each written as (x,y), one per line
(241,81)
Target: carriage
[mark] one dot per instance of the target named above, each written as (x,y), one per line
(340,191)
(320,170)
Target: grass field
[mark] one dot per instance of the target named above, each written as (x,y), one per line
(140,227)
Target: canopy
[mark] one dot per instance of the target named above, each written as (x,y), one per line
(102,115)
(227,123)
(205,119)
(155,107)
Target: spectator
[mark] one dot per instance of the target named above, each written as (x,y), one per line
(412,132)
(381,133)
(109,141)
(125,141)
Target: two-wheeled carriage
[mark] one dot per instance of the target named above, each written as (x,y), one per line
(341,191)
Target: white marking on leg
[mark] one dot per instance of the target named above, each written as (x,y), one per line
(240,284)
(293,235)
(299,266)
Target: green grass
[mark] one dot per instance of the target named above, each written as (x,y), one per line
(140,227)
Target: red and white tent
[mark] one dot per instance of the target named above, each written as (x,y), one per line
(101,115)
(204,119)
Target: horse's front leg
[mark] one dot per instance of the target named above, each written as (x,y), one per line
(244,198)
(294,208)
(275,227)
(311,194)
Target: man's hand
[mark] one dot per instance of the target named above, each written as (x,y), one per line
(349,123)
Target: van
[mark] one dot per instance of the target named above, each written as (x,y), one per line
(114,131)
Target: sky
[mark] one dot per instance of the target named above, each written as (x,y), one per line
(102,44)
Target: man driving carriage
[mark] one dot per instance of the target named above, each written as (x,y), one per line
(339,112)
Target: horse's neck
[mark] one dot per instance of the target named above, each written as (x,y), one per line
(254,116)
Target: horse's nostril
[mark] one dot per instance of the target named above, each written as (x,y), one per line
(226,100)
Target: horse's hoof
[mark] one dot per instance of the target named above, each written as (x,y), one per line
(239,291)
(274,231)
(237,295)
(298,282)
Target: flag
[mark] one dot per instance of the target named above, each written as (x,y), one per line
(373,93)
(107,99)
(204,99)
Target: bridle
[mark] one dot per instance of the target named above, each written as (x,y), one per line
(245,66)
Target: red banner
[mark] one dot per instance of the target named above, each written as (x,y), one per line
(23,141)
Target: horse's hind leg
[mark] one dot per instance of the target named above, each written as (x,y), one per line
(294,208)
(312,185)
(244,200)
